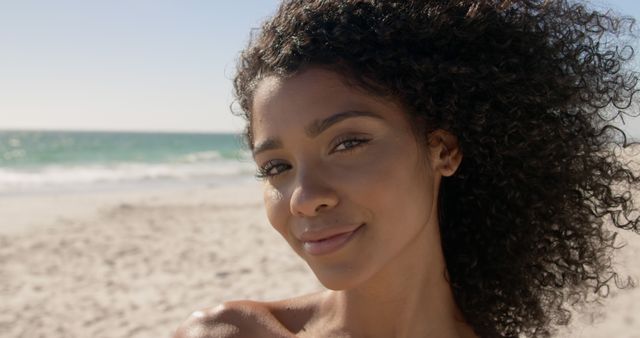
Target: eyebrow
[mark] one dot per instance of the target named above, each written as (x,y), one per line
(315,128)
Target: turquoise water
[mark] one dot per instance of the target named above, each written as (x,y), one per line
(54,160)
(38,148)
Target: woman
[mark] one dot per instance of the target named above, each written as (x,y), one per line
(446,168)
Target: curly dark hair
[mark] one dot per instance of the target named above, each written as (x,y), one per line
(530,88)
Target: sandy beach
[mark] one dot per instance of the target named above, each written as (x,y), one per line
(125,264)
(136,264)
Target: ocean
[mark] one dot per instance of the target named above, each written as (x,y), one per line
(72,161)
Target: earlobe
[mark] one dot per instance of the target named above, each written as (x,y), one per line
(446,154)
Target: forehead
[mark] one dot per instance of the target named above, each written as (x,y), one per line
(282,104)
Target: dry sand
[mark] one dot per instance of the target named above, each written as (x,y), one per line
(136,264)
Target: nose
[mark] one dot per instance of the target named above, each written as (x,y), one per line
(312,196)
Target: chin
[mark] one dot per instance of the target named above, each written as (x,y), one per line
(339,277)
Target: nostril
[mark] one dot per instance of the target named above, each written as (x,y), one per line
(321,206)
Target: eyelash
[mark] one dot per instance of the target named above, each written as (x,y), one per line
(263,172)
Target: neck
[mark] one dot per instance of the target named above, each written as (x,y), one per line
(395,303)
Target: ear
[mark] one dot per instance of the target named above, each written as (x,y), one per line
(445,152)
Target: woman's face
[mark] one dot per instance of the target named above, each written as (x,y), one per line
(345,183)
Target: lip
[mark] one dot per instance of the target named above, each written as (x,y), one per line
(326,241)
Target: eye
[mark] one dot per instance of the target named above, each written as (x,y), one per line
(349,143)
(271,168)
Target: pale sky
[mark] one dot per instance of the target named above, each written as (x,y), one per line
(154,65)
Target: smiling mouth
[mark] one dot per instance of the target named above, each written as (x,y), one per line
(330,244)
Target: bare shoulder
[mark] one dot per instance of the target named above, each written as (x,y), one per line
(240,319)
(237,319)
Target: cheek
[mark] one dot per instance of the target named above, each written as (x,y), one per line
(399,190)
(277,208)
